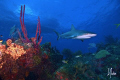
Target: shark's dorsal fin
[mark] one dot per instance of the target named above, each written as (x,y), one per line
(72,27)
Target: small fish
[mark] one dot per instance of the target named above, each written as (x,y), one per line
(117,25)
(93,54)
(92,45)
(78,56)
(1,41)
(65,61)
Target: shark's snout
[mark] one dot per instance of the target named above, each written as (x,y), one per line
(91,35)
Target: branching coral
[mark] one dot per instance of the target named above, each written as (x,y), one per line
(38,30)
(22,12)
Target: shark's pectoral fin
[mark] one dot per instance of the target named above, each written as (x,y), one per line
(82,40)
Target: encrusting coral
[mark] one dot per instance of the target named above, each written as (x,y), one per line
(2,48)
(15,50)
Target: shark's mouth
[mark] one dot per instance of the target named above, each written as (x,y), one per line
(85,36)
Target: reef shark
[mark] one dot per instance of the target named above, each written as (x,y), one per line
(76,34)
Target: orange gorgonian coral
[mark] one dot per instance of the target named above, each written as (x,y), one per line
(15,50)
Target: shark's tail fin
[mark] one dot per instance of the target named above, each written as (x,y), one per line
(57,34)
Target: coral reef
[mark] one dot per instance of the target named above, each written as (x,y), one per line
(67,53)
(25,59)
(20,57)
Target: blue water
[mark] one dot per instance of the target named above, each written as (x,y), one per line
(98,16)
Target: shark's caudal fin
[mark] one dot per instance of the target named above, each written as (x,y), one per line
(57,35)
